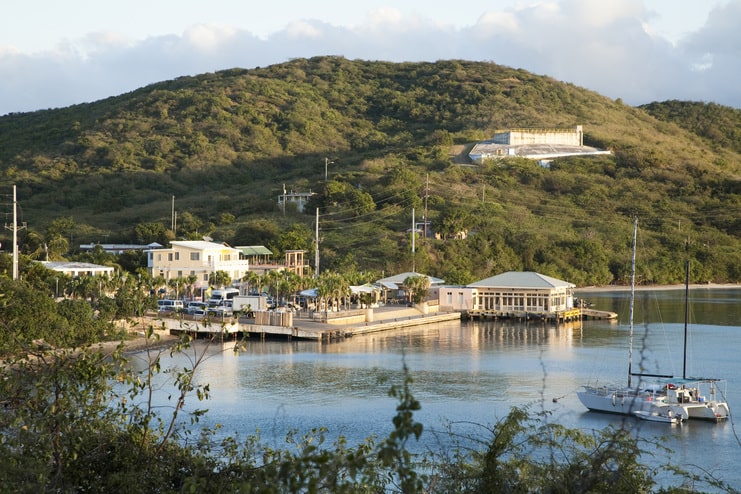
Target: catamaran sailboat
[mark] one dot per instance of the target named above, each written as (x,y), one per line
(694,398)
(666,398)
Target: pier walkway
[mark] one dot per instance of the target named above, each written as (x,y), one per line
(383,319)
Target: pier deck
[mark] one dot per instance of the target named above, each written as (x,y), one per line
(384,319)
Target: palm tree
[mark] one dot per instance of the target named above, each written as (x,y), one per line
(271,279)
(221,279)
(332,287)
(190,281)
(291,284)
(177,286)
(417,287)
(253,280)
(157,283)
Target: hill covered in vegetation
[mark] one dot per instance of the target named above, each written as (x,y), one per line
(376,141)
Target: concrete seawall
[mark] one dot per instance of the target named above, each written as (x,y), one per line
(387,319)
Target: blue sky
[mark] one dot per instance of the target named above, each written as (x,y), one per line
(54,54)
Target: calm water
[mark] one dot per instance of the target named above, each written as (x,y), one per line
(473,373)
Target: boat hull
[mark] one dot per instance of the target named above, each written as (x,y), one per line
(624,401)
(689,399)
(714,412)
(666,418)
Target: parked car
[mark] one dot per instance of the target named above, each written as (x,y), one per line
(194,307)
(220,311)
(198,313)
(167,305)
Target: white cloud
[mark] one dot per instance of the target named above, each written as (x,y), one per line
(604,46)
(303,29)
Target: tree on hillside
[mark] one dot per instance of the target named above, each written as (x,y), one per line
(257,232)
(147,233)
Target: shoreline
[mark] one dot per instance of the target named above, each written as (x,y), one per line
(137,342)
(678,286)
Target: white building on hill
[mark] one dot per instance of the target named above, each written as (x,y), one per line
(539,144)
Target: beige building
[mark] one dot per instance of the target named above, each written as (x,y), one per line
(512,292)
(295,262)
(196,257)
(543,145)
(521,137)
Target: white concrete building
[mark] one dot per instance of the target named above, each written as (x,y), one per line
(510,293)
(537,144)
(77,269)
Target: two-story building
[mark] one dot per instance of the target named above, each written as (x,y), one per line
(196,257)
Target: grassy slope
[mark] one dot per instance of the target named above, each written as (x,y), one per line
(227,142)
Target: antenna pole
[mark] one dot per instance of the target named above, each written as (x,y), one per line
(632,299)
(686,313)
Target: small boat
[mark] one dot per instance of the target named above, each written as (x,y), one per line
(659,415)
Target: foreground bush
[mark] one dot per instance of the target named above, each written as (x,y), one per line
(82,421)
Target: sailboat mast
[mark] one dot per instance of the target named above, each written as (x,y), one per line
(632,300)
(686,313)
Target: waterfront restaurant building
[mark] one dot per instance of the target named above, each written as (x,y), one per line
(510,294)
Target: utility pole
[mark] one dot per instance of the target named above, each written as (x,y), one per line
(15,236)
(284,199)
(414,234)
(172,215)
(326,167)
(14,227)
(316,248)
(427,190)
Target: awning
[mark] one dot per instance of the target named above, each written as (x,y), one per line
(362,289)
(255,250)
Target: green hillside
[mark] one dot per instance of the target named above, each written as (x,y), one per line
(224,145)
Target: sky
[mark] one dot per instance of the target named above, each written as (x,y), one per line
(55,54)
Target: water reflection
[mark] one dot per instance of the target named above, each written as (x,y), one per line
(474,372)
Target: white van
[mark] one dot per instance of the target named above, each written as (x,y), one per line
(167,305)
(220,297)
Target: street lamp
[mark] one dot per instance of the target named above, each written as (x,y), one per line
(326,164)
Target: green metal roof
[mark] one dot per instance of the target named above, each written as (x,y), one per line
(255,250)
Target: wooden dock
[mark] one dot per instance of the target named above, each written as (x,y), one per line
(599,314)
(574,314)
